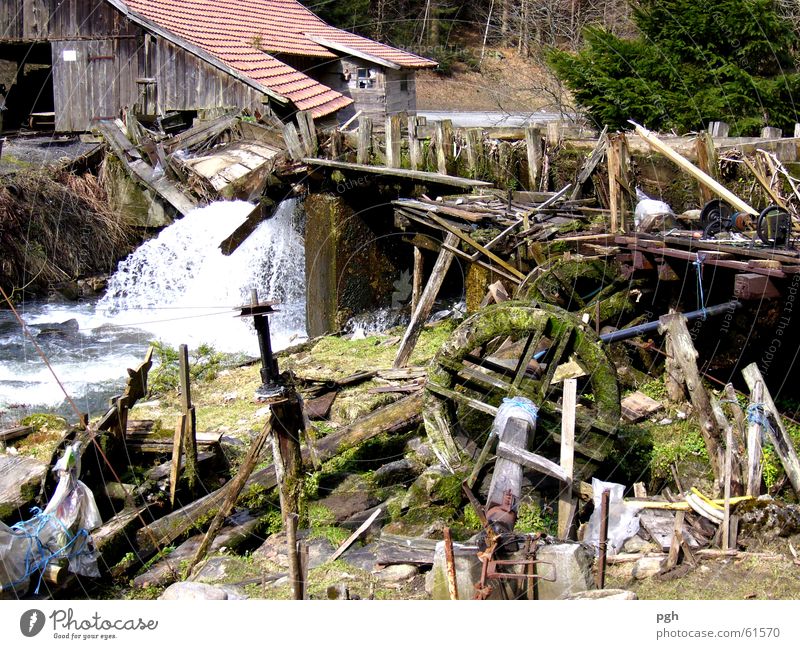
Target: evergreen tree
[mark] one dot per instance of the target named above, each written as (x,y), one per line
(695,61)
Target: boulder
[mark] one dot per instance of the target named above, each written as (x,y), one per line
(193,590)
(647,567)
(215,570)
(397,573)
(274,550)
(345,504)
(400,471)
(573,569)
(468,571)
(767,519)
(362,558)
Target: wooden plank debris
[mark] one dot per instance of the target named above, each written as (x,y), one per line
(637,406)
(420,176)
(566,504)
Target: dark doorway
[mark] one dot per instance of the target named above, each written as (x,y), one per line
(26,75)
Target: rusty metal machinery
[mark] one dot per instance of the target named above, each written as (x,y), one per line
(717,216)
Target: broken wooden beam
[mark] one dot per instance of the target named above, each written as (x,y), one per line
(389,419)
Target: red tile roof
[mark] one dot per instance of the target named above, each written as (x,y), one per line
(241,32)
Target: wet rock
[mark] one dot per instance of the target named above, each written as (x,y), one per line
(362,558)
(400,471)
(192,590)
(345,504)
(68,290)
(767,519)
(356,520)
(397,573)
(647,567)
(60,329)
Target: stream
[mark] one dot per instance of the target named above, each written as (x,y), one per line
(176,288)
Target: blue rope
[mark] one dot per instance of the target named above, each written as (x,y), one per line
(521,402)
(757,415)
(698,265)
(36,547)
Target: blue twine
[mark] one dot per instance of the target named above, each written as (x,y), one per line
(522,402)
(67,551)
(757,415)
(698,265)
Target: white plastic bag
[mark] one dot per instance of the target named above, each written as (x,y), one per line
(623,519)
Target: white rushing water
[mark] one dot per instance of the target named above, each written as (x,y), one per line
(176,288)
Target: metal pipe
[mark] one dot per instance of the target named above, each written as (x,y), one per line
(600,580)
(647,327)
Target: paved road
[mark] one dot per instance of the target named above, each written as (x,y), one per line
(483,118)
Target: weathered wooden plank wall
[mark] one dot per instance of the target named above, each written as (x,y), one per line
(39,20)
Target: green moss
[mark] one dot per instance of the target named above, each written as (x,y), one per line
(531,518)
(448,490)
(676,443)
(655,389)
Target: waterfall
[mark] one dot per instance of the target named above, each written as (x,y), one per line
(181,288)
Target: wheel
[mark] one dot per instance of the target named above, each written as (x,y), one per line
(774,226)
(579,285)
(715,210)
(712,229)
(515,349)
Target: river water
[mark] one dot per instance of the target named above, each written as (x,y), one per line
(176,288)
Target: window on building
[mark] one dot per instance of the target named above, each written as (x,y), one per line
(366,78)
(404,83)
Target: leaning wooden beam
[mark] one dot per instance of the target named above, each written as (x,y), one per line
(532,461)
(351,539)
(425,303)
(780,439)
(232,492)
(392,418)
(591,163)
(566,504)
(754,436)
(700,176)
(411,174)
(684,355)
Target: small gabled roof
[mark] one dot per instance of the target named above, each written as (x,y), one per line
(242,33)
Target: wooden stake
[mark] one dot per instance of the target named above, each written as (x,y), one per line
(754,436)
(190,423)
(726,520)
(351,539)
(675,544)
(425,303)
(452,584)
(784,448)
(419,271)
(444,146)
(533,145)
(414,145)
(295,569)
(364,155)
(177,451)
(232,492)
(566,503)
(392,140)
(703,163)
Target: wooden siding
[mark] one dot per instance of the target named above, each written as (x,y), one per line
(41,20)
(98,84)
(186,82)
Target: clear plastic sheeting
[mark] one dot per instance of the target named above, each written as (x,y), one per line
(623,519)
(517,407)
(58,533)
(652,214)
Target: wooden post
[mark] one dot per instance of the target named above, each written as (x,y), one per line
(781,441)
(295,569)
(726,520)
(414,145)
(701,143)
(754,434)
(685,356)
(426,301)
(474,151)
(452,583)
(600,578)
(364,154)
(287,424)
(618,180)
(190,422)
(232,492)
(675,544)
(393,141)
(566,504)
(419,272)
(308,132)
(533,144)
(175,464)
(444,146)
(507,476)
(718,129)
(293,144)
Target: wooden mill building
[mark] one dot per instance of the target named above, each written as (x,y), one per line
(79,61)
